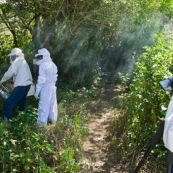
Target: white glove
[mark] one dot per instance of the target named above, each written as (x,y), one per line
(36,96)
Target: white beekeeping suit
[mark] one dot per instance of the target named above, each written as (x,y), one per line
(46,89)
(22,78)
(168,127)
(19,70)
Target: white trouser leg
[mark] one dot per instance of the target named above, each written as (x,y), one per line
(53,112)
(45,103)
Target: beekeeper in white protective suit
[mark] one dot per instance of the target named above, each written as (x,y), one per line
(45,88)
(168,126)
(22,79)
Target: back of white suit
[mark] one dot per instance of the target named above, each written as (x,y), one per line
(48,108)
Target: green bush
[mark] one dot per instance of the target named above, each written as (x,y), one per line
(24,146)
(145,101)
(27,147)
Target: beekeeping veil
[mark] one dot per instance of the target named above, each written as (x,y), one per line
(15,53)
(45,54)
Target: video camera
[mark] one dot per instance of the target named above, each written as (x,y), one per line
(167,83)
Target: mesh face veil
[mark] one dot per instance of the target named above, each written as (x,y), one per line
(12,58)
(16,52)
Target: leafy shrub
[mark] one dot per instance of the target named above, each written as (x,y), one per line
(27,147)
(145,101)
(24,146)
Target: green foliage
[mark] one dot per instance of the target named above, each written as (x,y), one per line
(166,7)
(145,94)
(27,147)
(23,144)
(145,100)
(5,48)
(71,143)
(71,96)
(76,32)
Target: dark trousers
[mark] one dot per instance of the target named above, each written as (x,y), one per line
(18,96)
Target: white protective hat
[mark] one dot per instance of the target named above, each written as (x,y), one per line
(15,51)
(43,52)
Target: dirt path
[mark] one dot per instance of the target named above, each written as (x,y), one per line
(98,152)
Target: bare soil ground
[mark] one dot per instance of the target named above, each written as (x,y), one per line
(98,152)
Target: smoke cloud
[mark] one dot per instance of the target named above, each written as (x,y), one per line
(89,48)
(113,54)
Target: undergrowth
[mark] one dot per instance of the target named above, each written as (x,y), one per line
(143,103)
(27,147)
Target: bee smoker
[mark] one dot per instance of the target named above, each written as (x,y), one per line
(4,92)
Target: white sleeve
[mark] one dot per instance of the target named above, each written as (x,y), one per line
(41,79)
(12,71)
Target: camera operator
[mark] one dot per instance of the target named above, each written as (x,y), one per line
(168,126)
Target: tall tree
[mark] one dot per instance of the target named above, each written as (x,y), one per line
(80,31)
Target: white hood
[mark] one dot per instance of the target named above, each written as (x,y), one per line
(46,56)
(15,51)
